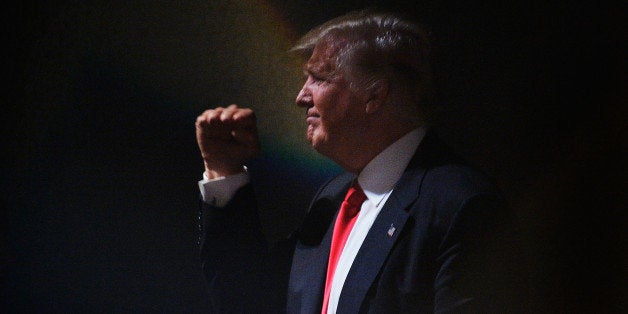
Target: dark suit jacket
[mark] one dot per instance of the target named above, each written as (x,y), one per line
(443,242)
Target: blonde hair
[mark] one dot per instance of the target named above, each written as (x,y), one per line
(379,46)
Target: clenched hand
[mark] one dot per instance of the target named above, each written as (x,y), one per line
(227,138)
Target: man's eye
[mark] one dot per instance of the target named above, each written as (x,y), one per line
(317,79)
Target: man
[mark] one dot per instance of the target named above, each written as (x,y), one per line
(418,231)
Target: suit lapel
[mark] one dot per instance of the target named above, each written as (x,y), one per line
(382,236)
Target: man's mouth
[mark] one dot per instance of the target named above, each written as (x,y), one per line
(312,119)
(312,116)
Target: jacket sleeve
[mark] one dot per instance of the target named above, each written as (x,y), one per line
(233,251)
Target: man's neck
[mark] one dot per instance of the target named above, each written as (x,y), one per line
(371,146)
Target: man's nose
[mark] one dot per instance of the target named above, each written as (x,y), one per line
(304,98)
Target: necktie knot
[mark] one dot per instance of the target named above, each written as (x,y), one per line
(355,197)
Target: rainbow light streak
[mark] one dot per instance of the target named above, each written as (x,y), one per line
(197,55)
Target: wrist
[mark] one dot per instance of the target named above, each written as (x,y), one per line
(214,173)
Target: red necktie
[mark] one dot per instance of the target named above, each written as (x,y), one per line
(344,223)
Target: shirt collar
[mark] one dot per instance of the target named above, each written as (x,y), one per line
(381,174)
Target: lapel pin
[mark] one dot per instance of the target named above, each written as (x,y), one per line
(391,230)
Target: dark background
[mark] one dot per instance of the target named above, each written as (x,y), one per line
(99,172)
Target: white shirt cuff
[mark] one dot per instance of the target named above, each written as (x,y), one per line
(219,191)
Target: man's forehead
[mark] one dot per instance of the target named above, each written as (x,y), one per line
(323,55)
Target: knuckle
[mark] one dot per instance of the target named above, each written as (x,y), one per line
(214,114)
(208,112)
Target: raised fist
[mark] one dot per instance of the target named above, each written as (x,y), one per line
(227,138)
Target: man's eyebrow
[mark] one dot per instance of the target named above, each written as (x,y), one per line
(306,69)
(309,68)
(316,70)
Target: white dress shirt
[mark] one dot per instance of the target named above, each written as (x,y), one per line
(377,180)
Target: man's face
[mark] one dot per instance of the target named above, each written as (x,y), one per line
(334,112)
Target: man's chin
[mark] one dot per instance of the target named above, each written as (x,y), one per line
(314,142)
(311,137)
(317,141)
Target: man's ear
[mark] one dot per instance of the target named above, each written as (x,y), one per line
(378,94)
